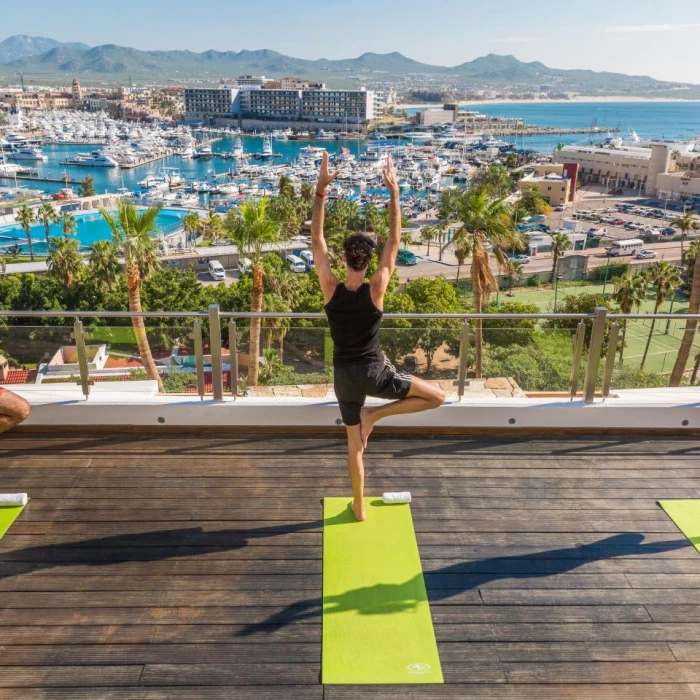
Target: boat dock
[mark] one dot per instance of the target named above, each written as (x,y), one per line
(34,178)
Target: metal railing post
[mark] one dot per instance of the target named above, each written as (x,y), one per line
(594,349)
(199,356)
(217,367)
(576,364)
(82,357)
(233,354)
(610,359)
(463,359)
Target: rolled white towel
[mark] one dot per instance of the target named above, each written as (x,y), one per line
(397,497)
(13,499)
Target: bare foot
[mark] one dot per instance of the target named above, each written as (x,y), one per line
(358,512)
(367,422)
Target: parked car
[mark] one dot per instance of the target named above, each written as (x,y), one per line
(668,231)
(406,257)
(645,254)
(560,207)
(521,258)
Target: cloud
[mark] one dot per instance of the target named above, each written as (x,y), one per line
(651,28)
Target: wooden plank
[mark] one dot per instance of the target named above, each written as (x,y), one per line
(239,674)
(447,616)
(77,634)
(604,672)
(203,692)
(129,654)
(631,651)
(615,596)
(685,651)
(674,613)
(599,631)
(73,676)
(176,615)
(580,691)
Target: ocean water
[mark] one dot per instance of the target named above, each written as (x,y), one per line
(651,120)
(668,120)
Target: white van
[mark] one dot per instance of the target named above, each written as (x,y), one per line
(216,270)
(295,264)
(308,257)
(629,247)
(245,265)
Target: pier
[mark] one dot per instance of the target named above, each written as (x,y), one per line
(34,178)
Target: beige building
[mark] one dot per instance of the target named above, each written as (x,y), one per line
(620,168)
(550,181)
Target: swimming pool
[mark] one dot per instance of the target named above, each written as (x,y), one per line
(90,227)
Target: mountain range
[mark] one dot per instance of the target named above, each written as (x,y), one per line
(40,59)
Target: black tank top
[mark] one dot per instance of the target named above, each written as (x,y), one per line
(354,323)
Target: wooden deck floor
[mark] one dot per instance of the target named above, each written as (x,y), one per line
(190,567)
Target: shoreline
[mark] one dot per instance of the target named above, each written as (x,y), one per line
(573,100)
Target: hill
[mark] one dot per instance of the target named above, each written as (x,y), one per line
(115,64)
(21,46)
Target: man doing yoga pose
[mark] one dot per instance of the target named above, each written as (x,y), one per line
(354,309)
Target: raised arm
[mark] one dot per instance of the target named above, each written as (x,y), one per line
(322,261)
(380,279)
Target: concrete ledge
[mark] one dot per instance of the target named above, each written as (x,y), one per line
(136,404)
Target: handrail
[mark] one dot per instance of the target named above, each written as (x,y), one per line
(309,315)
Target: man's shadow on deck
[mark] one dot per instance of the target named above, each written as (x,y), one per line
(378,599)
(387,599)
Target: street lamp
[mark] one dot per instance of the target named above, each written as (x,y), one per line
(607,269)
(557,279)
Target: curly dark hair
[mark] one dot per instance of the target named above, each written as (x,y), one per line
(358,249)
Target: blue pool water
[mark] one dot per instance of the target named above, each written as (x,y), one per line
(90,227)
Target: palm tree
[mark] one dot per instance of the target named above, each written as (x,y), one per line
(307,192)
(213,227)
(133,234)
(462,252)
(427,234)
(484,220)
(104,263)
(25,217)
(68,224)
(192,225)
(560,243)
(251,229)
(515,274)
(685,223)
(65,261)
(666,279)
(630,293)
(286,187)
(48,215)
(87,187)
(691,259)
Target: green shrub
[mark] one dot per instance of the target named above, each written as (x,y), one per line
(614,269)
(533,280)
(177,382)
(634,378)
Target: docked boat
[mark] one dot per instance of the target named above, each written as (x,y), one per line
(204,152)
(267,148)
(96,159)
(28,153)
(237,152)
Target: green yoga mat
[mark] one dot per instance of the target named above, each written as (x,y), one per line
(8,514)
(686,514)
(376,618)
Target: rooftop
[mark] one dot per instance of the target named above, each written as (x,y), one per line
(189,565)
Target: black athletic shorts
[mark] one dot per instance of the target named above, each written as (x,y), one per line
(354,383)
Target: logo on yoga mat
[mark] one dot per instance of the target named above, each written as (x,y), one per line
(419,669)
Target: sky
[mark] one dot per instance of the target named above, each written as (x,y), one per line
(639,37)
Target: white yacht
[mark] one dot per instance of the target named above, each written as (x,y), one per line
(204,152)
(97,159)
(238,149)
(29,153)
(267,148)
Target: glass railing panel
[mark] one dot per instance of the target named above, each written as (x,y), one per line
(38,354)
(118,356)
(527,354)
